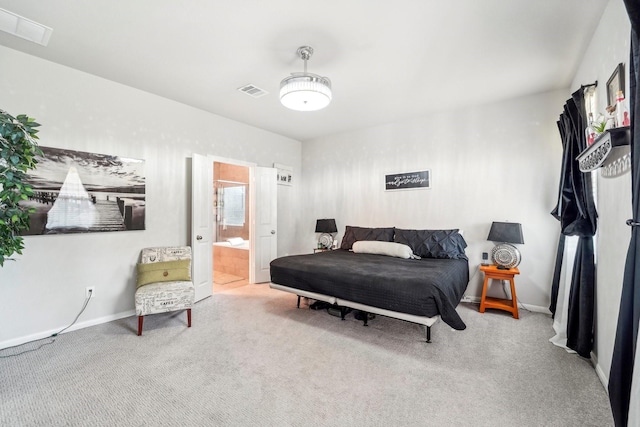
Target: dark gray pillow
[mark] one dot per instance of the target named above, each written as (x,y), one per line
(355,234)
(433,243)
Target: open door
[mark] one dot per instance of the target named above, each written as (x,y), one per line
(202,225)
(264,237)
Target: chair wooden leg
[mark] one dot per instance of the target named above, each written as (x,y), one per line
(189,317)
(140,320)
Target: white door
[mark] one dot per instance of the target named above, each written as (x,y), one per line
(202,225)
(264,236)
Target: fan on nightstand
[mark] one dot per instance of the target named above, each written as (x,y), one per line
(326,227)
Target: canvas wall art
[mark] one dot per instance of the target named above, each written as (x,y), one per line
(80,192)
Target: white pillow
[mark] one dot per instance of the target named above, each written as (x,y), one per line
(393,249)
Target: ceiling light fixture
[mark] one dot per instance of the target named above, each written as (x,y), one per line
(305,91)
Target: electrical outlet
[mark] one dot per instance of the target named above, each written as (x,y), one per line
(90,292)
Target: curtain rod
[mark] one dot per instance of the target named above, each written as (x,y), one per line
(589,85)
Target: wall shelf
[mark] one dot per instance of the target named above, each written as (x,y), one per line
(610,147)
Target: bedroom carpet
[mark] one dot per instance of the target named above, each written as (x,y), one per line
(220,278)
(252,359)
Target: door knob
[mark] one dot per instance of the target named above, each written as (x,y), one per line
(273,231)
(198,237)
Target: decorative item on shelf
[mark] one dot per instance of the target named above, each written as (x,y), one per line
(504,254)
(602,123)
(305,91)
(590,131)
(622,112)
(327,227)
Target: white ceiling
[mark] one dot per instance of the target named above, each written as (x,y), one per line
(387,60)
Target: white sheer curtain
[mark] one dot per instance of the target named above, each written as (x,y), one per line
(634,402)
(564,287)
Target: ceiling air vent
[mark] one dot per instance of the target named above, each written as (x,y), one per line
(253,91)
(27,29)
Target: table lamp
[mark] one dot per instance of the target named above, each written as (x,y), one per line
(326,227)
(505,234)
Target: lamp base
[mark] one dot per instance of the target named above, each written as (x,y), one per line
(505,256)
(325,241)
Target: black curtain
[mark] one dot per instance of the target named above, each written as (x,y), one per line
(577,215)
(621,373)
(555,284)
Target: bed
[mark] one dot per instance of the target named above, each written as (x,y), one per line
(416,275)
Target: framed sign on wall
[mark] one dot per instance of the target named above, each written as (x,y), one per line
(408,181)
(285,174)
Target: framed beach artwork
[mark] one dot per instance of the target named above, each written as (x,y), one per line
(81,192)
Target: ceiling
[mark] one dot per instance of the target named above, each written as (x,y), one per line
(387,60)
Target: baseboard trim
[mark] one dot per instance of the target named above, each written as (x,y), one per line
(601,375)
(530,307)
(80,325)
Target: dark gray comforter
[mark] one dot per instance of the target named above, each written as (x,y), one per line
(424,287)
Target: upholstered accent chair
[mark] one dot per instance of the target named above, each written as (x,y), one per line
(164,282)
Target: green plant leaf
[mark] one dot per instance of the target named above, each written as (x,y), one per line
(17,151)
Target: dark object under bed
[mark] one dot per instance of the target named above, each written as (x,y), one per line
(422,287)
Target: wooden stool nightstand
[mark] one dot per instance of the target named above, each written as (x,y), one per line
(493,272)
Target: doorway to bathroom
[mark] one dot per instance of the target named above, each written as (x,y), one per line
(231,244)
(261,208)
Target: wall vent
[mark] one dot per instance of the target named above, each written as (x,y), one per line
(27,29)
(253,91)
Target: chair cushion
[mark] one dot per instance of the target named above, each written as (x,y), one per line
(162,297)
(166,271)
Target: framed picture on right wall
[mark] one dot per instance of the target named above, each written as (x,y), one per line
(615,83)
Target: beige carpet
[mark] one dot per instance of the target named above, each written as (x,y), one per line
(252,359)
(220,278)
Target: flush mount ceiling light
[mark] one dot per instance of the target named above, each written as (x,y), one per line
(305,91)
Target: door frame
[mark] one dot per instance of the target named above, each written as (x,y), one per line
(252,207)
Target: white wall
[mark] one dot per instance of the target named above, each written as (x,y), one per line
(489,163)
(609,46)
(44,290)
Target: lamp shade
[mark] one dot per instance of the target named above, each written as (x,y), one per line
(326,226)
(506,232)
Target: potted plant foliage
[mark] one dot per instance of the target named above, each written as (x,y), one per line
(18,151)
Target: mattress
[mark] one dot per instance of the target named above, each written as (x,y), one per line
(424,287)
